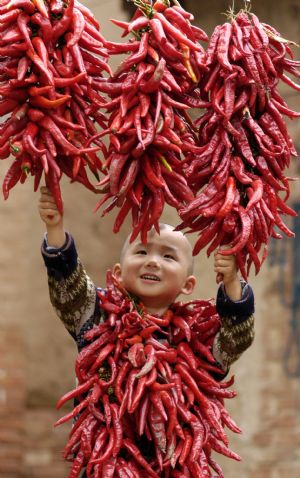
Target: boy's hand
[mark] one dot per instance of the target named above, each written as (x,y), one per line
(49,213)
(226,269)
(48,209)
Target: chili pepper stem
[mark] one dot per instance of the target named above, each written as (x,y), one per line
(146,8)
(165,163)
(279,38)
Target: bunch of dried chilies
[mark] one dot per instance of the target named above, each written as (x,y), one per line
(130,385)
(223,172)
(245,143)
(49,74)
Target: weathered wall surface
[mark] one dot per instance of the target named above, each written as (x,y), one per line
(37,355)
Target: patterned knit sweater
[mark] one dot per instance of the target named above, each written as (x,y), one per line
(75,300)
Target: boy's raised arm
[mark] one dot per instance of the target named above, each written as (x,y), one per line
(72,292)
(235,306)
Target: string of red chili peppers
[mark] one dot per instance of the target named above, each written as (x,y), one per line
(49,69)
(244,141)
(148,126)
(130,385)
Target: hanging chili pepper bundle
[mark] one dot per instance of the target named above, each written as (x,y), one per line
(132,384)
(244,143)
(149,129)
(49,56)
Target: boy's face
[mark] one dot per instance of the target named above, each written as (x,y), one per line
(159,271)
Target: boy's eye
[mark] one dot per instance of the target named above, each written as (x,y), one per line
(169,256)
(141,251)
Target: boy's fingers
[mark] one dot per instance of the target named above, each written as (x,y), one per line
(49,211)
(45,198)
(226,262)
(225,259)
(45,204)
(46,193)
(42,209)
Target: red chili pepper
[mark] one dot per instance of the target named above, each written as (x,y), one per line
(9,17)
(77,465)
(124,369)
(206,236)
(103,354)
(135,57)
(41,66)
(258,190)
(78,21)
(5,150)
(285,208)
(61,25)
(45,27)
(151,360)
(139,391)
(108,451)
(11,177)
(175,32)
(40,101)
(115,169)
(243,145)
(129,445)
(158,31)
(30,133)
(22,21)
(13,126)
(109,466)
(176,16)
(245,233)
(39,90)
(229,199)
(238,169)
(52,181)
(154,81)
(212,46)
(7,105)
(56,133)
(90,42)
(25,4)
(13,50)
(63,82)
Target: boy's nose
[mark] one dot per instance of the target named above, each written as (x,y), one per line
(152,261)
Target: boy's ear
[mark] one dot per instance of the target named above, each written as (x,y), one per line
(189,285)
(117,271)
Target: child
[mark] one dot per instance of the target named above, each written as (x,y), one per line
(157,273)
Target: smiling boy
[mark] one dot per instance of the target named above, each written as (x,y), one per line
(157,273)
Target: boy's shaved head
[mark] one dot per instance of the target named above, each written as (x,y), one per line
(157,272)
(188,250)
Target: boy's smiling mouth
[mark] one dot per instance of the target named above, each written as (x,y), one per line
(150,277)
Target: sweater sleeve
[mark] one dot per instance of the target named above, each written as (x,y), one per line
(237,326)
(72,292)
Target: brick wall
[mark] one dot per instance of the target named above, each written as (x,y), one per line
(12,403)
